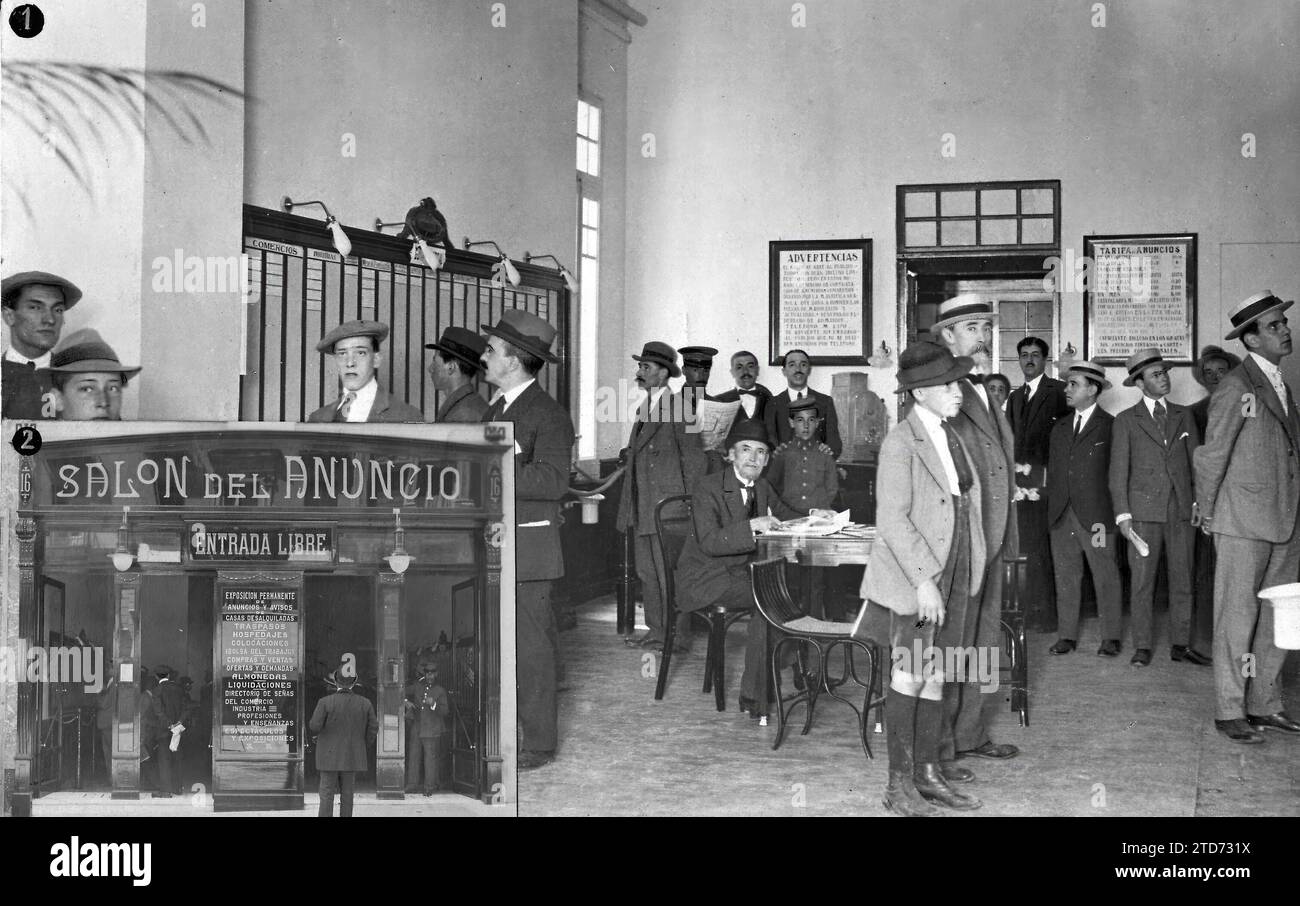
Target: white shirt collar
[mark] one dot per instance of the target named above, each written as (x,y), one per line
(1085,414)
(1270,370)
(13,355)
(794,394)
(512,394)
(364,402)
(743,484)
(1151,404)
(931,421)
(655,394)
(1033,385)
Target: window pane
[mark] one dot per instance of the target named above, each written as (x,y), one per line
(957,232)
(582,155)
(997,201)
(1036,201)
(590,242)
(920,233)
(582,117)
(590,212)
(593,124)
(1034,230)
(918,204)
(952,204)
(1040,317)
(997,232)
(1011,316)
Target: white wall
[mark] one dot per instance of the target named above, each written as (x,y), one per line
(767,131)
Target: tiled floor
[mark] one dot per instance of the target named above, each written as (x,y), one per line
(1104,738)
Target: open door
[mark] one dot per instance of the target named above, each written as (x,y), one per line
(55,761)
(466,690)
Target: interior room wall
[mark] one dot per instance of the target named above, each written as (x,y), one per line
(765,130)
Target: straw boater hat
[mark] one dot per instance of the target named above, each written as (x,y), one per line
(657,353)
(927,364)
(525,331)
(747,429)
(1213,352)
(1139,361)
(10,286)
(966,307)
(1252,309)
(84,351)
(1090,370)
(461,344)
(352,329)
(698,356)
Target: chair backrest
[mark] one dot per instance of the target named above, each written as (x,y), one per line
(770,592)
(674,523)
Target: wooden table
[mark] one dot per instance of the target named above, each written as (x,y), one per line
(815,550)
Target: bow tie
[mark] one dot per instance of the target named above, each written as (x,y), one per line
(747,392)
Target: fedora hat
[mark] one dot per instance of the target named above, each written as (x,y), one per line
(927,364)
(352,329)
(1090,370)
(10,286)
(657,353)
(698,356)
(743,429)
(1213,352)
(526,331)
(966,307)
(85,351)
(1251,310)
(1140,360)
(462,344)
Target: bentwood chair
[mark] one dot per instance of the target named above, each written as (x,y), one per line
(791,626)
(674,523)
(1013,634)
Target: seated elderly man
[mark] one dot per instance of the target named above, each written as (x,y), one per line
(88,378)
(729,508)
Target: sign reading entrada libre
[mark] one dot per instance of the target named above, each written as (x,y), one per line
(217,541)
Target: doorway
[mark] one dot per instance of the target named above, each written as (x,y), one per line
(338,620)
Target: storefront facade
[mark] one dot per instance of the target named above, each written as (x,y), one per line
(254,560)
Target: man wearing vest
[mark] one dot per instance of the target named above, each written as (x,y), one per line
(354,346)
(1151,489)
(33,306)
(1248,489)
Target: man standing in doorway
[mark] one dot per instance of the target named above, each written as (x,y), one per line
(965,326)
(517,348)
(169,709)
(346,729)
(33,307)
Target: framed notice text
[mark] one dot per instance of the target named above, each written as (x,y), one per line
(1140,292)
(819,297)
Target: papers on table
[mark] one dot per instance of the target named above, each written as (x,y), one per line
(818,525)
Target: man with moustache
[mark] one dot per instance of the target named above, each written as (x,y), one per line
(1151,488)
(965,326)
(664,458)
(88,379)
(518,346)
(752,396)
(1248,493)
(455,368)
(1032,410)
(355,348)
(33,304)
(797,366)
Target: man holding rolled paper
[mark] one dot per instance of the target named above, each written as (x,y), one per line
(1248,492)
(1151,489)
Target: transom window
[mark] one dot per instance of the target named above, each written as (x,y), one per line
(981,215)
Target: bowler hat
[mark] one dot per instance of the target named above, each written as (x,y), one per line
(698,356)
(1090,370)
(84,351)
(1213,352)
(965,307)
(525,331)
(927,364)
(743,429)
(352,329)
(1139,361)
(10,286)
(462,344)
(1252,309)
(657,353)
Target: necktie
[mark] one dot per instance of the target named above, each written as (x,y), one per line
(964,479)
(345,407)
(751,499)
(494,411)
(1078,424)
(31,366)
(1162,420)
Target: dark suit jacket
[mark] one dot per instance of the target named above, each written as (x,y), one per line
(1246,479)
(990,445)
(462,405)
(1145,467)
(1032,426)
(346,729)
(717,554)
(545,437)
(1080,473)
(776,417)
(23,389)
(168,708)
(762,396)
(386,409)
(663,460)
